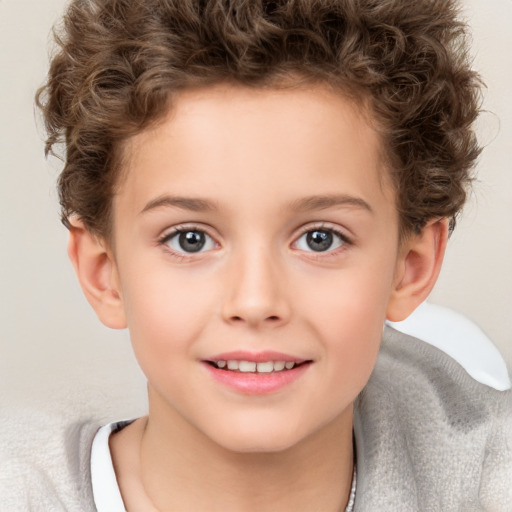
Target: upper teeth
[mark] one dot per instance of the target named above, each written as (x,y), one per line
(251,366)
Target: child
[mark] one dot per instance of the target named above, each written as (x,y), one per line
(253,188)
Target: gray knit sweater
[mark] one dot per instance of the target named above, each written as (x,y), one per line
(428,438)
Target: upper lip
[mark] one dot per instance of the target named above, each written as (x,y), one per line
(256,357)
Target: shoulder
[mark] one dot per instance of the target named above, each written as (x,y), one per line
(460,338)
(45,461)
(429,433)
(417,373)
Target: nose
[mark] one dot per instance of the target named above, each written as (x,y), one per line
(256,293)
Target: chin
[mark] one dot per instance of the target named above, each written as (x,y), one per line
(257,446)
(258,438)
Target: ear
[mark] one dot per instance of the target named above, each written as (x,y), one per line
(418,267)
(96,270)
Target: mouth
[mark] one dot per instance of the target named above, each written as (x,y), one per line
(242,366)
(259,373)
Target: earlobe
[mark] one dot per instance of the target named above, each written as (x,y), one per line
(96,270)
(418,267)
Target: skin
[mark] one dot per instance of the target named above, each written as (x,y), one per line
(255,156)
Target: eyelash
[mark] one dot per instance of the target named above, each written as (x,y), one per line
(321,255)
(176,231)
(182,256)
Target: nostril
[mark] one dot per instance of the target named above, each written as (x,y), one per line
(272,318)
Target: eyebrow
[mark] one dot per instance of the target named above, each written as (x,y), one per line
(311,203)
(185,203)
(306,204)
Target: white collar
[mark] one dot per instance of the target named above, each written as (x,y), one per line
(105,488)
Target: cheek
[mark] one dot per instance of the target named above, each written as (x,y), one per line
(348,316)
(166,314)
(348,301)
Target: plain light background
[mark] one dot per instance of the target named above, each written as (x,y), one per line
(51,343)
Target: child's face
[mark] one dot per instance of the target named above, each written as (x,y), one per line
(288,252)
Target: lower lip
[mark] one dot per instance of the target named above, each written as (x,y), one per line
(257,383)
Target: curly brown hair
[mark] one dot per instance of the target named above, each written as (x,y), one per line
(120,61)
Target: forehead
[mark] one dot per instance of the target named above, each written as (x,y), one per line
(227,138)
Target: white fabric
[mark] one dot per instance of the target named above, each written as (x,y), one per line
(107,496)
(461,339)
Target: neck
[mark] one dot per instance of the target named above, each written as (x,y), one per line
(315,474)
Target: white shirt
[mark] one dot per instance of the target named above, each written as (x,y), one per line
(105,489)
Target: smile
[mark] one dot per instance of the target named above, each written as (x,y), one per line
(254,367)
(256,373)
